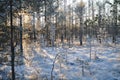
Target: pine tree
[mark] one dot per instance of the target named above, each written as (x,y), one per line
(80,11)
(12,41)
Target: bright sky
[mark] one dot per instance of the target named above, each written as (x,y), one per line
(86,1)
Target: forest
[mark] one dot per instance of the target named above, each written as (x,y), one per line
(59,39)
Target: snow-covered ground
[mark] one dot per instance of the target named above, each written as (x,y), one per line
(70,63)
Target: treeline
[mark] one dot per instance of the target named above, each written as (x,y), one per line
(69,21)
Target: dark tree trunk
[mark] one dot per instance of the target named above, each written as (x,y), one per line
(21,46)
(81,30)
(12,42)
(115,32)
(80,36)
(56,31)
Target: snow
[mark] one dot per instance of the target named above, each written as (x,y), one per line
(69,62)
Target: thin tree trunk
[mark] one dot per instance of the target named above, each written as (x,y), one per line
(72,27)
(65,2)
(114,21)
(34,34)
(12,41)
(81,26)
(21,46)
(56,31)
(81,31)
(99,23)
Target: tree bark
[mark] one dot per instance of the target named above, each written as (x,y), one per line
(12,41)
(21,46)
(81,30)
(114,21)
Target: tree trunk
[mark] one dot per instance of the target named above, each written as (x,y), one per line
(21,46)
(81,30)
(12,42)
(80,37)
(34,34)
(114,22)
(99,24)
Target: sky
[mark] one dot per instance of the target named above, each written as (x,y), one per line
(86,1)
(70,2)
(107,9)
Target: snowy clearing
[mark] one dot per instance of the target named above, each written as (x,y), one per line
(70,64)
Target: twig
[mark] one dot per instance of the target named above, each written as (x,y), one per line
(53,66)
